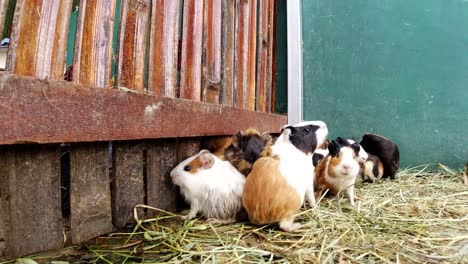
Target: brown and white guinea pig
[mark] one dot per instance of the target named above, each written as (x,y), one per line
(246,147)
(338,171)
(277,186)
(372,169)
(211,186)
(385,150)
(217,145)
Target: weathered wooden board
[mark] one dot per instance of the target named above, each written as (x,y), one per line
(192,39)
(132,44)
(90,197)
(93,44)
(252,55)
(263,23)
(39,111)
(228,47)
(161,159)
(128,181)
(39,38)
(271,64)
(31,215)
(212,51)
(162,80)
(186,147)
(241,54)
(3,15)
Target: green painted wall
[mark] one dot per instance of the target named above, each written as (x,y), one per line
(281,99)
(398,68)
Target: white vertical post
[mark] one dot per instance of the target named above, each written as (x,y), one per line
(294,35)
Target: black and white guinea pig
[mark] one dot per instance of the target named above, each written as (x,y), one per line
(278,184)
(338,171)
(246,147)
(385,150)
(211,186)
(362,154)
(372,169)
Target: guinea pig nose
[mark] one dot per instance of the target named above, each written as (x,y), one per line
(346,167)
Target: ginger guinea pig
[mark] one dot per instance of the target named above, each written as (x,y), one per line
(246,147)
(276,187)
(338,171)
(211,186)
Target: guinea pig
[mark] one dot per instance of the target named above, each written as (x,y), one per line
(372,169)
(246,147)
(362,155)
(217,145)
(338,171)
(386,150)
(277,186)
(318,155)
(211,186)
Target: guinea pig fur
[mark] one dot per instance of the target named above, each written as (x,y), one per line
(337,172)
(362,155)
(217,145)
(318,155)
(372,169)
(277,186)
(246,147)
(386,150)
(211,186)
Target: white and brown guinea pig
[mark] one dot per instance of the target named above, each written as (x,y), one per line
(246,147)
(338,171)
(385,150)
(372,169)
(276,187)
(211,186)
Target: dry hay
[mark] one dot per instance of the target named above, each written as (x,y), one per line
(422,217)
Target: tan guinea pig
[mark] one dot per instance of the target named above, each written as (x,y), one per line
(276,187)
(211,186)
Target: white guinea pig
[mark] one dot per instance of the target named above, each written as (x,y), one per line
(277,186)
(211,186)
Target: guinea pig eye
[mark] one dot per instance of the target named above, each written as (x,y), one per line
(307,130)
(187,168)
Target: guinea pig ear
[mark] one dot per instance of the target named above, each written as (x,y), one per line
(206,159)
(334,148)
(356,147)
(342,141)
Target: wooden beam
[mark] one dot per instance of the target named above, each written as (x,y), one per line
(31,214)
(262,59)
(252,55)
(90,197)
(128,181)
(3,15)
(39,38)
(132,44)
(162,80)
(39,111)
(241,54)
(192,39)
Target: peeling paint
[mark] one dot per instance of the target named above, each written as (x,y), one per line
(150,109)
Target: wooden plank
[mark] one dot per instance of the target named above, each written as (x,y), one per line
(192,38)
(161,159)
(271,65)
(90,198)
(164,48)
(3,15)
(93,44)
(30,200)
(252,55)
(212,76)
(228,46)
(41,111)
(241,54)
(128,181)
(39,38)
(132,44)
(187,147)
(262,60)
